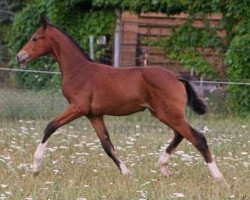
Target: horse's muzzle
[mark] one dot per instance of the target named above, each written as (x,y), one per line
(22,57)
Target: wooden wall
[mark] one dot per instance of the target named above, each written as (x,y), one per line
(151,26)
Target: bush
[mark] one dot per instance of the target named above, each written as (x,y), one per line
(238,63)
(182,47)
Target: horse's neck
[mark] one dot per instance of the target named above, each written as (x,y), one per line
(69,57)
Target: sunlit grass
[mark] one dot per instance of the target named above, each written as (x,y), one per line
(76,167)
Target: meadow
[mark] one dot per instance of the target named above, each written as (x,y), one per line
(76,167)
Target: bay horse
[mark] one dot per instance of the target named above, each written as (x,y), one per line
(94,90)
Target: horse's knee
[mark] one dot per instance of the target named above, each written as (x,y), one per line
(49,130)
(200,140)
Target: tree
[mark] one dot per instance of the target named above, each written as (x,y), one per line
(7,11)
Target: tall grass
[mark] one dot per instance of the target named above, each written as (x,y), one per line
(76,167)
(30,104)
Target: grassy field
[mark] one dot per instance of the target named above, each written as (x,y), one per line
(76,168)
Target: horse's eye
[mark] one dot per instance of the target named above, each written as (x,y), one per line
(34,39)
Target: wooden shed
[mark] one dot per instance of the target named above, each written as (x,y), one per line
(151,26)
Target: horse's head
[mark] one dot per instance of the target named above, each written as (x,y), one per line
(37,46)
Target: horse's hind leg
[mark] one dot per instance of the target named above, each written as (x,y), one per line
(102,133)
(179,124)
(200,142)
(163,160)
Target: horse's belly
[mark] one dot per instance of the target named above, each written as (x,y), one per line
(125,110)
(117,109)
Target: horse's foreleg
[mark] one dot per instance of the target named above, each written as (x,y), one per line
(163,160)
(70,114)
(102,133)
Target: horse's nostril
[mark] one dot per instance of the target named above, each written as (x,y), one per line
(22,57)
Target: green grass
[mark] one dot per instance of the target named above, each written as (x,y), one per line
(30,104)
(76,167)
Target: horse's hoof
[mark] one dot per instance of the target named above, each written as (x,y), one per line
(123,169)
(165,171)
(126,172)
(35,174)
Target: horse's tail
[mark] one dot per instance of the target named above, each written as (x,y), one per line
(194,101)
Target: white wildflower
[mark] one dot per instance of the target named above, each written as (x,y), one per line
(8,193)
(178,194)
(3,186)
(246,164)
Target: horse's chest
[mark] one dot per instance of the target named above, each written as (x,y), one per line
(73,92)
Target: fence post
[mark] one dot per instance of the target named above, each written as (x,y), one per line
(192,72)
(145,61)
(118,32)
(201,121)
(52,102)
(91,46)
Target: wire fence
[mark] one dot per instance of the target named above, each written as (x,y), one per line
(25,108)
(29,104)
(23,102)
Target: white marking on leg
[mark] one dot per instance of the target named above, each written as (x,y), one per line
(163,162)
(124,169)
(214,171)
(38,156)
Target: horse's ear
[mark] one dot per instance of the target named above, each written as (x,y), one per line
(44,21)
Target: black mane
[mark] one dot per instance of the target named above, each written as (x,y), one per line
(73,41)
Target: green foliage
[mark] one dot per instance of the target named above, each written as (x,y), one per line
(238,62)
(67,16)
(25,23)
(182,47)
(7,11)
(3,40)
(138,6)
(237,59)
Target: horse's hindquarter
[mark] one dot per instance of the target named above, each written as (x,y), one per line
(118,92)
(165,89)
